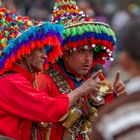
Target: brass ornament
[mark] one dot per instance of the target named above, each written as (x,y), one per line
(97,99)
(74,115)
(48,129)
(59,79)
(106,87)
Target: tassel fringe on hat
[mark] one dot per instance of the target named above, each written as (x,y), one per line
(81,30)
(19,36)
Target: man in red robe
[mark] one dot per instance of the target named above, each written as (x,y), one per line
(85,43)
(22,105)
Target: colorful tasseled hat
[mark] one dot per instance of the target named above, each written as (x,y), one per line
(19,36)
(83,31)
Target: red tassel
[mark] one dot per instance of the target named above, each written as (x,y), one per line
(101,61)
(93,41)
(80,43)
(13,58)
(32,45)
(27,49)
(23,50)
(38,44)
(55,42)
(8,64)
(49,40)
(19,53)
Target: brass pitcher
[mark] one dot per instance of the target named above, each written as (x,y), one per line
(74,115)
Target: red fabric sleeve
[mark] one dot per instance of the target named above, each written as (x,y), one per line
(18,97)
(46,83)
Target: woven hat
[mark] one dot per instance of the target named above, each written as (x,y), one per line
(81,30)
(19,36)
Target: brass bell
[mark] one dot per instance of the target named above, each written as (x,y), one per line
(74,115)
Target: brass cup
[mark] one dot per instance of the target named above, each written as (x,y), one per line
(106,87)
(97,99)
(74,115)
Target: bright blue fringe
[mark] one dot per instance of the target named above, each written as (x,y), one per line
(34,33)
(88,35)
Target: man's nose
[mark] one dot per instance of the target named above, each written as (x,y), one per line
(44,56)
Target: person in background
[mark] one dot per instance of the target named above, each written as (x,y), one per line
(120,120)
(85,43)
(22,54)
(9,4)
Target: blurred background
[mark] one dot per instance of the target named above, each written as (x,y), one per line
(117,13)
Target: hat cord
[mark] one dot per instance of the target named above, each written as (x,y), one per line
(31,71)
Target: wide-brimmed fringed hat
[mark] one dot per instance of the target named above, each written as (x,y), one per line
(19,36)
(82,31)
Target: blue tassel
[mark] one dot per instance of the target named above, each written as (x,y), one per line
(48,49)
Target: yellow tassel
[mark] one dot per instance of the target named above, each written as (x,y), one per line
(48,132)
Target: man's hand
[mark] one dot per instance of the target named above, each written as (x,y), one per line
(118,85)
(92,84)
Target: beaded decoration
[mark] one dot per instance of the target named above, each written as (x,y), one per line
(81,30)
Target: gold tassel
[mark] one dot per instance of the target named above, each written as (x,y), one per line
(48,131)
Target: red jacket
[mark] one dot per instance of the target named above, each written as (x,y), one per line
(46,83)
(21,105)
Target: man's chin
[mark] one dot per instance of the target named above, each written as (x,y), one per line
(84,73)
(38,69)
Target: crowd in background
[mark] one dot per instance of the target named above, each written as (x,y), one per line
(116,13)
(109,125)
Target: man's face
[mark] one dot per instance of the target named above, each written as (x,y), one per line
(80,60)
(37,59)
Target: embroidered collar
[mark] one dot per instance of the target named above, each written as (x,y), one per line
(77,81)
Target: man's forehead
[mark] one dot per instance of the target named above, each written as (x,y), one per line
(86,47)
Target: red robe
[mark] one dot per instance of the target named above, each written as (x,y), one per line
(46,83)
(21,105)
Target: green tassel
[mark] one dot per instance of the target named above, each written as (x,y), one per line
(61,22)
(97,49)
(104,30)
(6,33)
(85,28)
(67,32)
(113,35)
(97,29)
(65,3)
(89,26)
(2,41)
(73,31)
(80,30)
